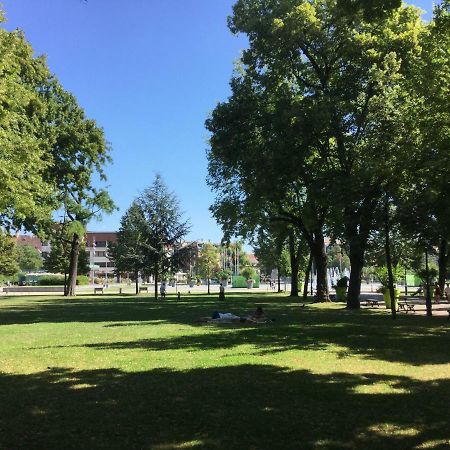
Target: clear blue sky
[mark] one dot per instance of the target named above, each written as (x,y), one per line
(149,72)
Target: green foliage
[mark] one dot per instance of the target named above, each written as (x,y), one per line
(51,280)
(207,263)
(58,260)
(151,233)
(8,255)
(381,275)
(28,258)
(222,274)
(248,272)
(128,253)
(82,280)
(24,133)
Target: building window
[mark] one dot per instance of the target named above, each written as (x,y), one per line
(100,253)
(100,243)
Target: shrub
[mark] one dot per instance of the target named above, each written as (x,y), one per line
(248,272)
(51,280)
(82,280)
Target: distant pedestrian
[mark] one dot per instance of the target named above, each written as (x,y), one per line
(162,290)
(437,293)
(221,292)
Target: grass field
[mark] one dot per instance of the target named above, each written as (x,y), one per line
(126,372)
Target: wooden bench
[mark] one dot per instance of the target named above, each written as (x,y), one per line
(372,303)
(101,290)
(405,306)
(143,289)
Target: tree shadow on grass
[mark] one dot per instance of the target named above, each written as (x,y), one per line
(237,407)
(412,340)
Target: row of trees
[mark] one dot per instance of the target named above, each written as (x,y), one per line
(337,125)
(51,153)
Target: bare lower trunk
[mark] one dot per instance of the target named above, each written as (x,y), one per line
(156,281)
(443,263)
(136,281)
(294,257)
(320,259)
(354,285)
(428,284)
(358,224)
(73,265)
(387,248)
(66,286)
(307,274)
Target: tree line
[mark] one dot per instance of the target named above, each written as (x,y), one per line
(337,125)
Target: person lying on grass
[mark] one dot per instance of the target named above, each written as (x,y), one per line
(227,317)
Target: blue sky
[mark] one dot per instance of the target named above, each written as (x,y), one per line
(149,72)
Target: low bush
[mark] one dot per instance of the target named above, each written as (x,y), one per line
(82,280)
(51,280)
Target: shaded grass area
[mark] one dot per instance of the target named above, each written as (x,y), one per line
(129,372)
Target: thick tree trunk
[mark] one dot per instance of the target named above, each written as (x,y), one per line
(443,258)
(66,286)
(387,248)
(320,259)
(136,281)
(73,265)
(358,224)
(294,257)
(428,284)
(307,274)
(354,287)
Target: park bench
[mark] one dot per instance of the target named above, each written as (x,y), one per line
(372,303)
(143,289)
(405,306)
(101,290)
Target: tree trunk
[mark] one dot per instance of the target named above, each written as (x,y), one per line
(428,284)
(294,257)
(156,281)
(387,248)
(358,224)
(73,265)
(136,281)
(320,259)
(279,280)
(443,263)
(307,273)
(354,286)
(66,286)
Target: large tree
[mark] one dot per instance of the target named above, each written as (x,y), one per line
(321,70)
(207,262)
(128,253)
(79,152)
(165,229)
(29,258)
(8,256)
(24,137)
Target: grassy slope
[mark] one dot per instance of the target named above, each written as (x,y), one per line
(128,372)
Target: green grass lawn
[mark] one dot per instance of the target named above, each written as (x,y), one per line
(126,372)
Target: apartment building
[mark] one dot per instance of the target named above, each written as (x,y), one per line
(98,244)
